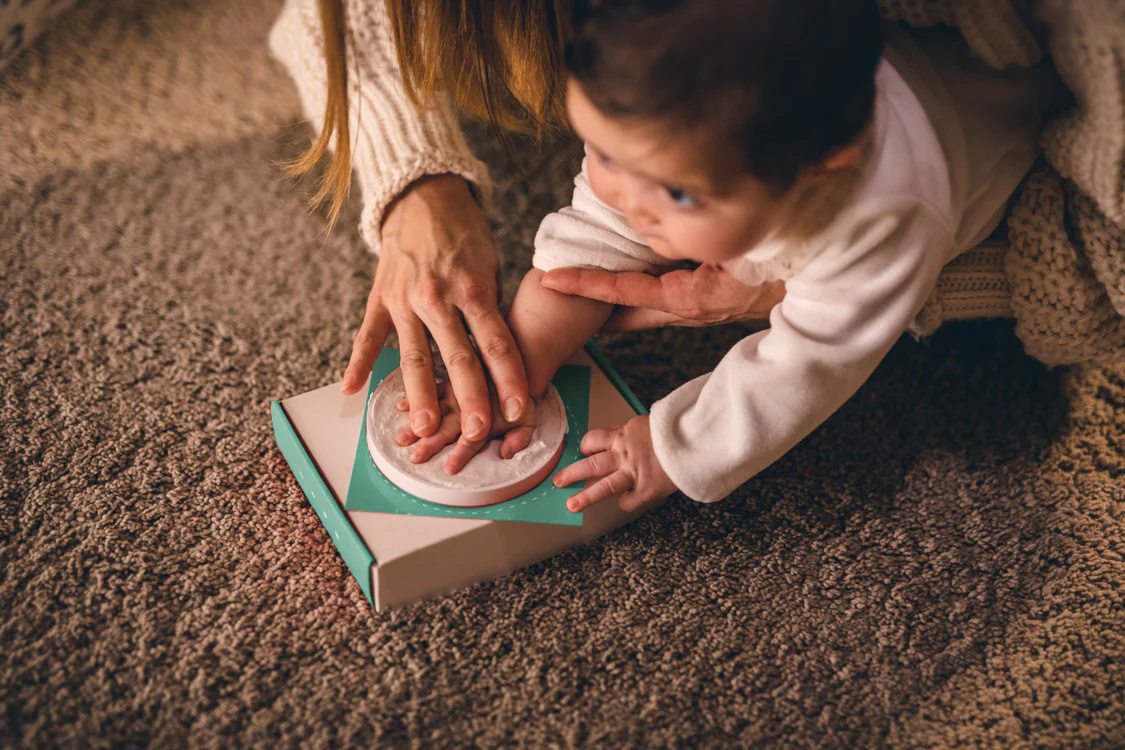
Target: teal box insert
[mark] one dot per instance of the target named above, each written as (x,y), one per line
(369,490)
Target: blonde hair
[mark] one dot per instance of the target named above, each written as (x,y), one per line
(500,61)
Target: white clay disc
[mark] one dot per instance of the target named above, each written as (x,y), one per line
(487,479)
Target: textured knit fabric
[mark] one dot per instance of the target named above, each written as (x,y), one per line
(21,22)
(997,30)
(393,142)
(1065,265)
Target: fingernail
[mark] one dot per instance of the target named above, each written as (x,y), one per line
(420,421)
(346,383)
(512,409)
(474,427)
(571,506)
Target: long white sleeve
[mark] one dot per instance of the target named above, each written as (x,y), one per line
(590,234)
(870,275)
(948,153)
(840,316)
(394,143)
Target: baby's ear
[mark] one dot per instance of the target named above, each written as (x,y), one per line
(845,157)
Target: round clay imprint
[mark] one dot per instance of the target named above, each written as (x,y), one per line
(486,479)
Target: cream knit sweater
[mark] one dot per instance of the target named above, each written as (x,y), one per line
(1065,265)
(1066,290)
(394,142)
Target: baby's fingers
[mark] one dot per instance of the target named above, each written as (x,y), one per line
(461,454)
(403,404)
(596,441)
(447,432)
(515,441)
(598,465)
(407,436)
(615,484)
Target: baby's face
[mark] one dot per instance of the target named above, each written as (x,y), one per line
(663,187)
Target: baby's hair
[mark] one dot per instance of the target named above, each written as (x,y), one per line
(783,82)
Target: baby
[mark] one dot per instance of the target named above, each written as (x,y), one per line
(788,140)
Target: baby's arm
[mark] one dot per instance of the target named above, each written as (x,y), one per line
(838,318)
(841,314)
(550,326)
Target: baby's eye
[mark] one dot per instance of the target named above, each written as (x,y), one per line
(681,199)
(607,162)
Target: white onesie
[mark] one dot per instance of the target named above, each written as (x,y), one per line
(941,172)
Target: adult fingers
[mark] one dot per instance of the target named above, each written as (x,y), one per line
(407,435)
(771,295)
(465,374)
(417,365)
(372,335)
(704,296)
(403,404)
(501,355)
(640,318)
(615,484)
(465,449)
(622,288)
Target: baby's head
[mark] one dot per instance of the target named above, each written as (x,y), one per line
(705,119)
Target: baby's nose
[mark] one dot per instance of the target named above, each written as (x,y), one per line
(642,222)
(639,217)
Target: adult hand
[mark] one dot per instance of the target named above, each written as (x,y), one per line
(705,296)
(517,435)
(436,276)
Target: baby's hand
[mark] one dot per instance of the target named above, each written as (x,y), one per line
(517,435)
(626,463)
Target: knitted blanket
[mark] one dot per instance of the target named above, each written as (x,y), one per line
(1066,260)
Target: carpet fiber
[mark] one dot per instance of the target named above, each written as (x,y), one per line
(941,564)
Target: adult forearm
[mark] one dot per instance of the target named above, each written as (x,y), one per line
(549,327)
(394,142)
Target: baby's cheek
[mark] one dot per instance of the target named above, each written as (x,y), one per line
(709,242)
(601,183)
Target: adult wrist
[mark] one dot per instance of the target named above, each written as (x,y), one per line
(445,189)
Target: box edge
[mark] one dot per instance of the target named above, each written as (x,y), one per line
(351,547)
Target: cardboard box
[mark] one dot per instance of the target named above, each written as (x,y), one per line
(399,559)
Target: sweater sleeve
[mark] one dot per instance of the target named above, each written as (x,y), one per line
(590,234)
(840,316)
(393,142)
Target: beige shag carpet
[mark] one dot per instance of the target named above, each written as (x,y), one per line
(940,565)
